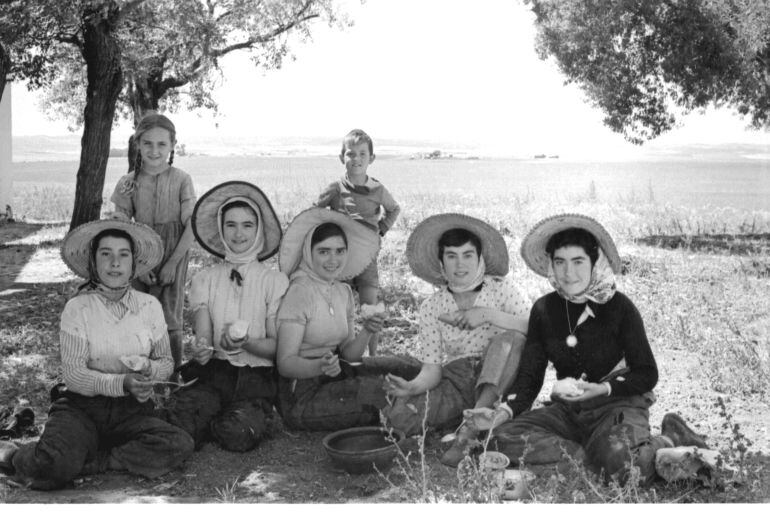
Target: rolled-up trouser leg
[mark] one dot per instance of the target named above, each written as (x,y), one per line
(501,361)
(541,436)
(445,403)
(69,439)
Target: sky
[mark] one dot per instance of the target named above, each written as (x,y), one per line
(435,70)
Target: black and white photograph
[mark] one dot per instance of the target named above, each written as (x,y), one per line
(362,252)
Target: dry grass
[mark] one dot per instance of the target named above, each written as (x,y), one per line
(707,315)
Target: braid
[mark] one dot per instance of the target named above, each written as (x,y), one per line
(138,164)
(171,158)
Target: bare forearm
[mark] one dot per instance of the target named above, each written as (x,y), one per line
(261,347)
(505,320)
(428,378)
(354,350)
(296,367)
(184,244)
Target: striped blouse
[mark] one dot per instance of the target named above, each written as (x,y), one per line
(95,332)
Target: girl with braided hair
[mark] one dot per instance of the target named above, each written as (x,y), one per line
(161,196)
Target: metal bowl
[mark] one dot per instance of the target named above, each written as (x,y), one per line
(361,449)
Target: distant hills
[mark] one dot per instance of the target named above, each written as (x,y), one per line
(58,148)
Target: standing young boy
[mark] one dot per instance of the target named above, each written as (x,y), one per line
(366,200)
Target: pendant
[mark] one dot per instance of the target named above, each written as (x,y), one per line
(571,340)
(331,310)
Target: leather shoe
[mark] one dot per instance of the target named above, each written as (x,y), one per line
(676,429)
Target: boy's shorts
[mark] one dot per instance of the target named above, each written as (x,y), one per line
(369,277)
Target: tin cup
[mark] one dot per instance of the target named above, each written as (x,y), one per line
(493,464)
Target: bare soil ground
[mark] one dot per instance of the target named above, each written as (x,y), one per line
(292,467)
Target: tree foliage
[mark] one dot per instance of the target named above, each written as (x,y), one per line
(171,52)
(644,63)
(92,51)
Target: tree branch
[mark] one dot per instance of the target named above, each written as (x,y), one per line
(248,43)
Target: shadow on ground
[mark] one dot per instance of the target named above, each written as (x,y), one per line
(21,244)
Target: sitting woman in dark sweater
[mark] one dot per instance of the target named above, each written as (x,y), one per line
(595,338)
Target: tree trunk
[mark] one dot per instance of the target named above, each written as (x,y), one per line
(101,53)
(5,64)
(143,97)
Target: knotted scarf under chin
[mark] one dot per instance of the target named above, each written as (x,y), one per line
(478,279)
(250,254)
(601,288)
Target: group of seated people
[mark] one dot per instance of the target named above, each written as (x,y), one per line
(285,340)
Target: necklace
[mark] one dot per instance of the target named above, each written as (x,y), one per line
(328,299)
(571,339)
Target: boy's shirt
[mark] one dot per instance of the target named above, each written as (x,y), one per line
(362,202)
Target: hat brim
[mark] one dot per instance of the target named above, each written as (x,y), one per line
(204,217)
(422,245)
(363,242)
(533,246)
(148,246)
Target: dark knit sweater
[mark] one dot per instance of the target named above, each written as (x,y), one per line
(617,331)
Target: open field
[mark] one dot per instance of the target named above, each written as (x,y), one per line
(707,312)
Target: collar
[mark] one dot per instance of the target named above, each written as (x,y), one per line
(366,188)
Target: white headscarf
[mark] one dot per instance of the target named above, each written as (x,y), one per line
(454,287)
(252,252)
(306,265)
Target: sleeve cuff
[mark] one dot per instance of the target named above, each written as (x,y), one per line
(507,409)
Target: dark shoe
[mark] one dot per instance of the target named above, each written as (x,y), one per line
(7,451)
(18,424)
(675,428)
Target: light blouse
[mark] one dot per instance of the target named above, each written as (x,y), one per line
(324,309)
(95,332)
(256,301)
(441,343)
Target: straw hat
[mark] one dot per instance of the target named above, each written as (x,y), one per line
(204,217)
(533,245)
(422,246)
(76,246)
(363,242)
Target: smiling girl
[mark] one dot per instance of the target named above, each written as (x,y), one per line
(235,392)
(594,337)
(161,196)
(324,383)
(472,329)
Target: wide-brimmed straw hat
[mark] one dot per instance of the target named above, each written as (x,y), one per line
(422,245)
(533,245)
(205,222)
(363,242)
(76,246)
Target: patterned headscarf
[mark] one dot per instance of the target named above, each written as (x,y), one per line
(600,288)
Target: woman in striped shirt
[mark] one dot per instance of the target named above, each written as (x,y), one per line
(114,347)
